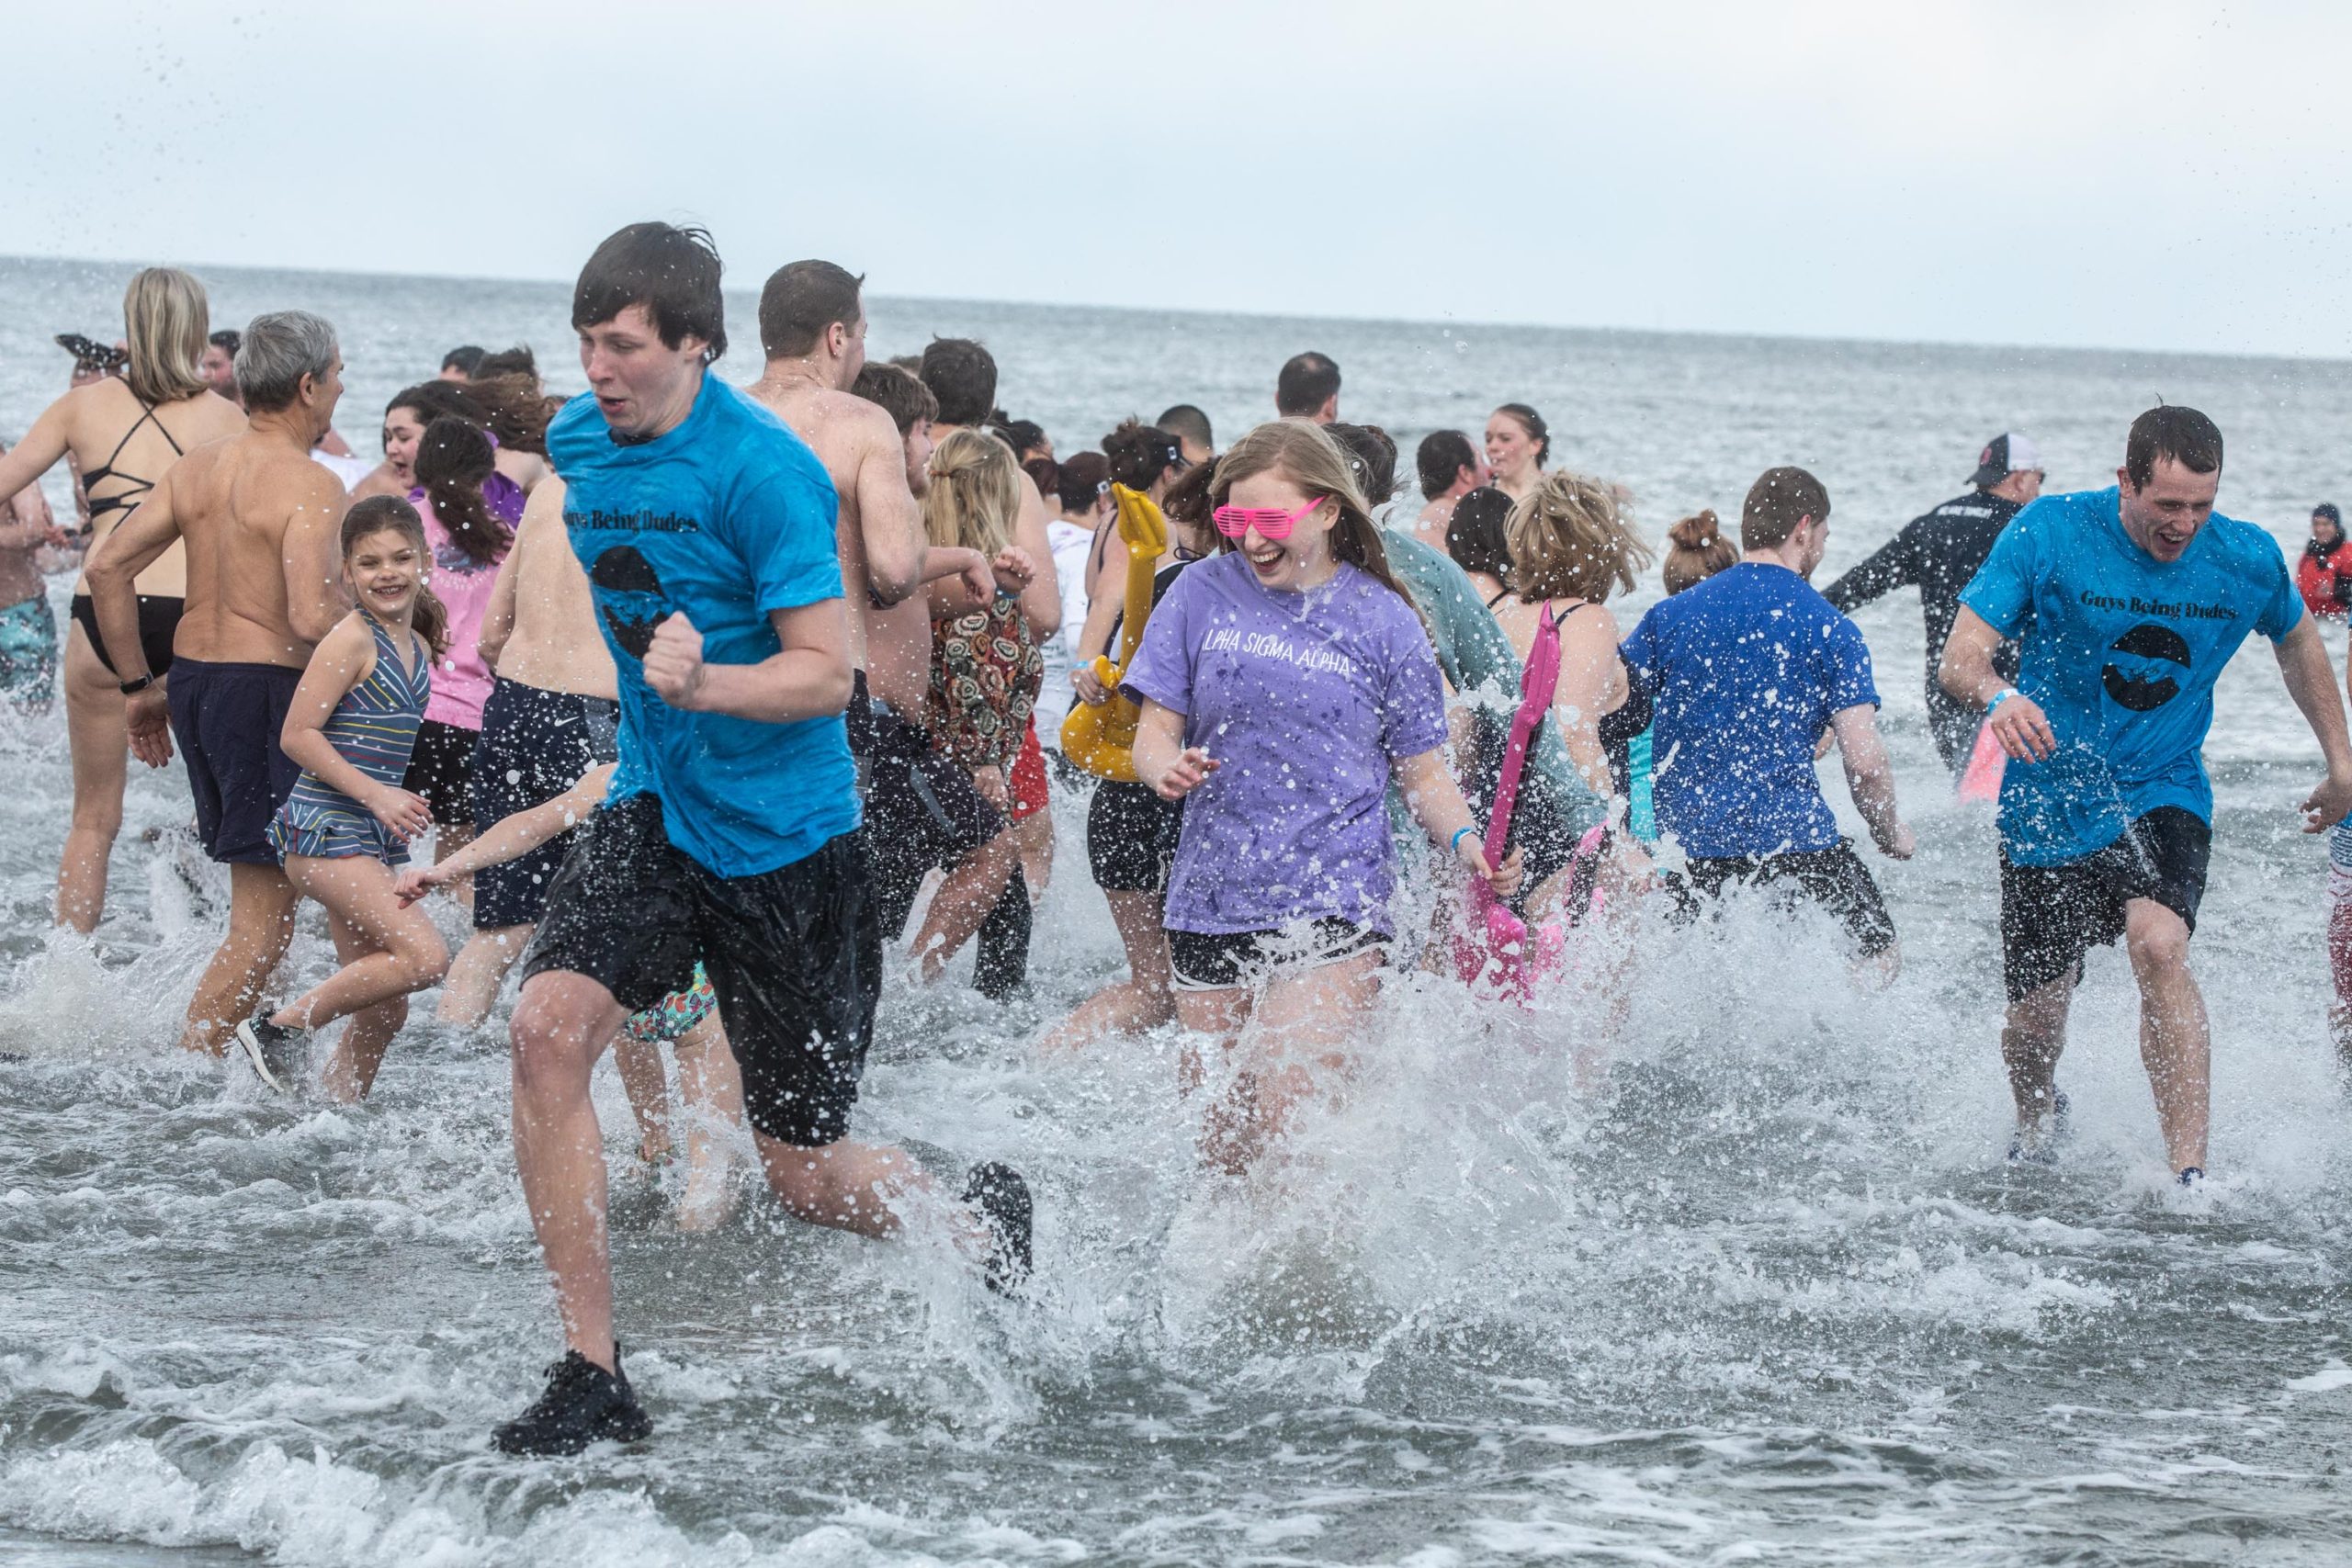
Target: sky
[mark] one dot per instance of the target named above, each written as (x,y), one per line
(2142,176)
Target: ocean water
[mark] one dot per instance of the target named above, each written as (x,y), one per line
(1752,1284)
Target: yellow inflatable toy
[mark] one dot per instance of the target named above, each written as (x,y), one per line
(1101,738)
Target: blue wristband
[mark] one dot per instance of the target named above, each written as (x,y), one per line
(1456,845)
(2004,695)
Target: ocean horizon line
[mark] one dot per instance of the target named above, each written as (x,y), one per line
(1810,340)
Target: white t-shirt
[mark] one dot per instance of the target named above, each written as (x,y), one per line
(1073,549)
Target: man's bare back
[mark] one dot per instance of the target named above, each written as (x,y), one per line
(541,627)
(258,519)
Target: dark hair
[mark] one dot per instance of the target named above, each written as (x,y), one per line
(2168,430)
(673,272)
(1696,551)
(1139,453)
(452,460)
(1476,536)
(389,514)
(1371,453)
(2327,509)
(518,361)
(1024,436)
(899,393)
(1187,504)
(1043,472)
(514,408)
(1188,424)
(435,399)
(1441,458)
(462,359)
(1078,481)
(962,375)
(1308,381)
(1780,500)
(802,300)
(1537,431)
(227,340)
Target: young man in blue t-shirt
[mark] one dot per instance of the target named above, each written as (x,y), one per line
(729,835)
(2130,602)
(1746,672)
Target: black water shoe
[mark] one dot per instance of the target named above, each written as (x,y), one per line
(273,1050)
(1002,1199)
(584,1404)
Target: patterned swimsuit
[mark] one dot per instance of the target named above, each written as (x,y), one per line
(374,730)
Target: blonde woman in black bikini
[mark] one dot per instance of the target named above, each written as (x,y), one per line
(122,432)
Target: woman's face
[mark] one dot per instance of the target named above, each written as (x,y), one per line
(387,567)
(403,428)
(1289,564)
(1510,452)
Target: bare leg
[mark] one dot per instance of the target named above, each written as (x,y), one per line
(475,975)
(1306,1022)
(95,738)
(561,1025)
(261,927)
(1219,1015)
(2175,1043)
(2339,963)
(1143,1001)
(964,900)
(647,1088)
(402,953)
(2033,1034)
(712,1089)
(1035,835)
(842,1186)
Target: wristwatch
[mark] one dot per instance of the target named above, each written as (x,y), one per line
(141,684)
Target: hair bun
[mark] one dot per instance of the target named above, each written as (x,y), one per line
(1696,533)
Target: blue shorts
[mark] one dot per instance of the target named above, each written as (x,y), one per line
(29,653)
(227,719)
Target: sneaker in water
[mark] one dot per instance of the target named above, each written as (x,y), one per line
(2039,1144)
(273,1050)
(584,1404)
(2191,1177)
(1002,1199)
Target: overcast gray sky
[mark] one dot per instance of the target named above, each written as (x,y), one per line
(2147,175)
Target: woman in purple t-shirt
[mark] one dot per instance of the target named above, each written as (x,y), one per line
(1285,680)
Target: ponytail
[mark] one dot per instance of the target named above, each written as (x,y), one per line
(454,460)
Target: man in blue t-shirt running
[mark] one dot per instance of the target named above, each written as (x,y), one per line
(729,837)
(2130,602)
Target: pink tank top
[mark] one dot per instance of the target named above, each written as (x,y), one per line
(462,681)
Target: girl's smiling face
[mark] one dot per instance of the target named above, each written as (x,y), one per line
(403,428)
(387,569)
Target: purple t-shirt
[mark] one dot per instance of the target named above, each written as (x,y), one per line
(1306,699)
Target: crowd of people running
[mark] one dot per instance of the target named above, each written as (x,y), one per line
(704,693)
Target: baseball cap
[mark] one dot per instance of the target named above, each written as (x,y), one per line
(2008,453)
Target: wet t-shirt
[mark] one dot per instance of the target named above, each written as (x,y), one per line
(2122,652)
(1744,671)
(1306,699)
(726,518)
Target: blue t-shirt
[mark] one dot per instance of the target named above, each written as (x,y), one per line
(1744,671)
(2122,652)
(723,519)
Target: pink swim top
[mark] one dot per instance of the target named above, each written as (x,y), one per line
(461,682)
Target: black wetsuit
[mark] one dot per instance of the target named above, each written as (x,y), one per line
(1938,554)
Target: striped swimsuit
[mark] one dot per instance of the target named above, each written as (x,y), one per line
(374,728)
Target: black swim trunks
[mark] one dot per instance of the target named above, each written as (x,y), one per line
(226,719)
(1217,961)
(2052,915)
(439,768)
(535,744)
(795,956)
(1131,837)
(159,620)
(1834,878)
(924,813)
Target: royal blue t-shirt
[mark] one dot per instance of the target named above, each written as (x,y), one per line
(724,519)
(1744,671)
(2122,652)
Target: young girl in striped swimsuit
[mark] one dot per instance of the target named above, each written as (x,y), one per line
(347,822)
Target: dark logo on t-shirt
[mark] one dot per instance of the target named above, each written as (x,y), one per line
(2144,676)
(631,596)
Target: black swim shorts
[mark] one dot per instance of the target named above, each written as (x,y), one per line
(924,813)
(1131,837)
(226,719)
(795,956)
(439,767)
(2052,915)
(535,744)
(1217,961)
(1834,878)
(159,622)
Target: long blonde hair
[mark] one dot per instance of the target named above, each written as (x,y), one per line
(165,319)
(975,494)
(1569,540)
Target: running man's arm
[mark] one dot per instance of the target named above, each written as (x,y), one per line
(1894,564)
(498,617)
(2302,664)
(1967,672)
(1869,774)
(899,558)
(809,678)
(516,835)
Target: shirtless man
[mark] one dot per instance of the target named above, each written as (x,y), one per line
(553,714)
(259,520)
